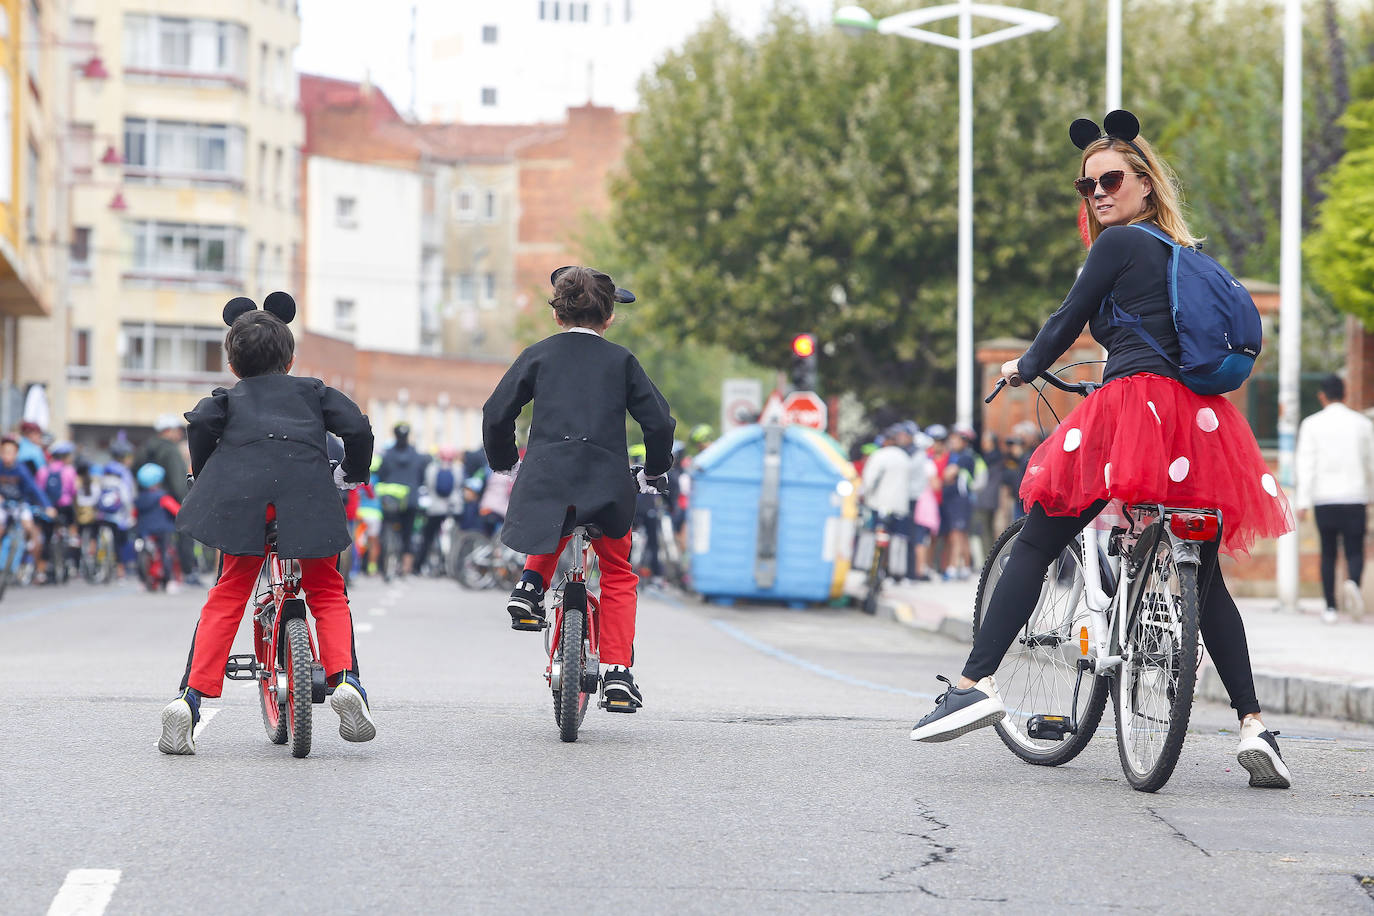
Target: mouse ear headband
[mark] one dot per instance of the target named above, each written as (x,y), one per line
(1117,125)
(278,303)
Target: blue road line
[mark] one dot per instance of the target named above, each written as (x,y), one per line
(783,656)
(53,608)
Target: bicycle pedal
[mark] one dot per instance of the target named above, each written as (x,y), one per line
(1049,728)
(619,706)
(528,624)
(241,668)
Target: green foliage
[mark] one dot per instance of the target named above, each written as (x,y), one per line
(1340,254)
(807,181)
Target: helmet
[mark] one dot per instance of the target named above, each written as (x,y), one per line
(638,452)
(937,432)
(448,453)
(168,421)
(150,475)
(62,448)
(702,432)
(119,449)
(401,429)
(963,429)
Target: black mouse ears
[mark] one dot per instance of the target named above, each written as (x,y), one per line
(279,303)
(1119,125)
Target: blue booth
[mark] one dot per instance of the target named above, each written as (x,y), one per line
(773,510)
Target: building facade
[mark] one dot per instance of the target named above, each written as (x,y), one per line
(195,201)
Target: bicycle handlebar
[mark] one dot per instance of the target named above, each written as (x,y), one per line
(1084,388)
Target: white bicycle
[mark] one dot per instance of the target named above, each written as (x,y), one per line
(1124,619)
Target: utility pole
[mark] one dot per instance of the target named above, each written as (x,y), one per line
(1290,287)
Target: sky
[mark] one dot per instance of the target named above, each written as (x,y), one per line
(353,38)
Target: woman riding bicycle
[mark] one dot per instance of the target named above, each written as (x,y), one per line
(1142,438)
(574,472)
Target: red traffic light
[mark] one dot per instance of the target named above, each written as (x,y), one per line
(804,345)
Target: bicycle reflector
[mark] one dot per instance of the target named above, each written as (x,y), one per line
(1194,527)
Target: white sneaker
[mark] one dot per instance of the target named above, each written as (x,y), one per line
(1329,615)
(958,712)
(1259,754)
(1352,599)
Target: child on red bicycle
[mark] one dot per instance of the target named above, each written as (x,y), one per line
(258,453)
(574,470)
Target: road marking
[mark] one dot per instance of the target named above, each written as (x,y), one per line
(784,656)
(86,892)
(53,608)
(362,627)
(205,716)
(377,612)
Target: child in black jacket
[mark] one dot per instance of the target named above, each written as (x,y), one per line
(574,470)
(258,454)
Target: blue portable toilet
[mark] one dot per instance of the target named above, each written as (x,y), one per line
(772,517)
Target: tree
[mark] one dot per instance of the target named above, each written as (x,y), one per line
(1340,253)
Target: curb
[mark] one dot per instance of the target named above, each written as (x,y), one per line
(1277,692)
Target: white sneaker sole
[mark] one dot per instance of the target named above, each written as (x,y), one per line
(971,718)
(1266,770)
(1354,599)
(355,721)
(178,729)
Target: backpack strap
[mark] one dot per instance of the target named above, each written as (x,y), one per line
(1122,319)
(1143,227)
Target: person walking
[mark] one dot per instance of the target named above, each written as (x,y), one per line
(1335,482)
(1143,437)
(887,485)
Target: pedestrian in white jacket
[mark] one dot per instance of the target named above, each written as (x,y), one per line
(1336,481)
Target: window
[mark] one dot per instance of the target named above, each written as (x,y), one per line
(180,152)
(163,47)
(260,268)
(629,10)
(465,288)
(31,191)
(6,136)
(489,288)
(264,58)
(283,77)
(556,6)
(488,96)
(543,9)
(345,212)
(33,38)
(79,356)
(82,32)
(183,355)
(262,171)
(345,316)
(80,155)
(79,253)
(488,34)
(278,268)
(489,207)
(294,179)
(278,167)
(187,251)
(463,208)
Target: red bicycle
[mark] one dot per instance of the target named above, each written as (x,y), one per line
(285,663)
(573,642)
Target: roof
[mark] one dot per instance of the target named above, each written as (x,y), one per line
(483,141)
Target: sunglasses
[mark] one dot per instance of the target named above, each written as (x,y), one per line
(1110,181)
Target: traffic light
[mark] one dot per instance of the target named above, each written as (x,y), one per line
(804,362)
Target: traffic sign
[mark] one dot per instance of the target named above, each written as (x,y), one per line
(741,401)
(805,408)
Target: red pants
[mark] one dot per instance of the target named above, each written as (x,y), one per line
(224,607)
(618,585)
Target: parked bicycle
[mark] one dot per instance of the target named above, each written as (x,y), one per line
(1122,619)
(482,562)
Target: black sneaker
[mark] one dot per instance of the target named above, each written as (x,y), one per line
(619,691)
(526,606)
(179,719)
(959,711)
(1259,754)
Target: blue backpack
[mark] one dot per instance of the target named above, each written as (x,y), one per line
(443,483)
(1219,331)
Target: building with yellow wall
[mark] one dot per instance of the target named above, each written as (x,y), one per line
(184,193)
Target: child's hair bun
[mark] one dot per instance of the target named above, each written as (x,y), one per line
(236,307)
(280,304)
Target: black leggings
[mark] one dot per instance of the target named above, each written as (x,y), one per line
(1013,600)
(1337,524)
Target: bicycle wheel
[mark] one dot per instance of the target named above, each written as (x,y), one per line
(10,548)
(873,580)
(300,664)
(105,555)
(391,552)
(1153,691)
(569,702)
(57,558)
(1038,674)
(475,571)
(274,720)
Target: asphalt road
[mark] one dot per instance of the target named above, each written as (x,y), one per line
(771,771)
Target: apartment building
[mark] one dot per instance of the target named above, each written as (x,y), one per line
(195,200)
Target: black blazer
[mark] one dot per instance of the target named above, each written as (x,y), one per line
(262,443)
(582,386)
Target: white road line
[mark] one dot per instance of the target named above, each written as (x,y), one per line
(205,716)
(86,892)
(362,627)
(377,612)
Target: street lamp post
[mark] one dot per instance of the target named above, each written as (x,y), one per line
(1290,287)
(908,25)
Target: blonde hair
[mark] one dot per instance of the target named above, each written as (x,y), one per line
(1163,204)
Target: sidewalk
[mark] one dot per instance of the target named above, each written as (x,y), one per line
(1302,666)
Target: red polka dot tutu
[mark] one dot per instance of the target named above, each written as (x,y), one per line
(1148,439)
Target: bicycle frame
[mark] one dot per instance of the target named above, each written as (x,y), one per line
(576,577)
